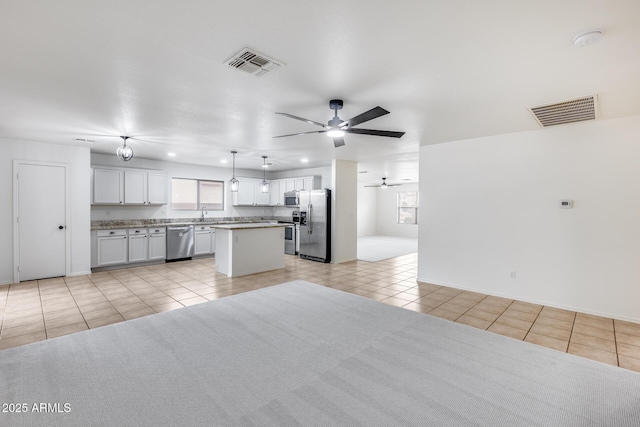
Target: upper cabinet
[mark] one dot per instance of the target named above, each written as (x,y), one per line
(108,186)
(133,187)
(249,192)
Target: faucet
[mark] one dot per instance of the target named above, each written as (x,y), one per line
(204,211)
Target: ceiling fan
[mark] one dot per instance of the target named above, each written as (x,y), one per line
(336,127)
(384,184)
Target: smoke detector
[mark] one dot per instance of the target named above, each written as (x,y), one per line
(569,111)
(587,38)
(253,62)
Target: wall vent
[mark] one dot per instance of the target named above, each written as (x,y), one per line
(569,111)
(253,62)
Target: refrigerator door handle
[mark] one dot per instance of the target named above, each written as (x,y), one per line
(310,218)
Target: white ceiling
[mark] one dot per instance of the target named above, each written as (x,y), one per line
(446,70)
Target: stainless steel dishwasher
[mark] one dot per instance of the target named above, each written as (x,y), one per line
(180,242)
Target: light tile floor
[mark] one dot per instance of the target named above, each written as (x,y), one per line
(42,309)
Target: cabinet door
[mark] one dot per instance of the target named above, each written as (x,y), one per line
(299,184)
(108,186)
(260,198)
(213,241)
(274,193)
(112,250)
(308,183)
(290,185)
(245,193)
(135,187)
(157,189)
(157,246)
(138,248)
(203,242)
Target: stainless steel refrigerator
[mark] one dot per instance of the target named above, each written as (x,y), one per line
(315,225)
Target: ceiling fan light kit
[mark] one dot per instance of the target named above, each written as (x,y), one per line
(234,183)
(124,152)
(336,128)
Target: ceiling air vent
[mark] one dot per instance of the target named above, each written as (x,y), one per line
(569,111)
(253,62)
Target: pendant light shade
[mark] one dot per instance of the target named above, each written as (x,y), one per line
(124,152)
(234,183)
(264,185)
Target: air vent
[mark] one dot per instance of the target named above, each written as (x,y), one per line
(253,62)
(569,111)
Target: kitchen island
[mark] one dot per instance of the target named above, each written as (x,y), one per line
(243,249)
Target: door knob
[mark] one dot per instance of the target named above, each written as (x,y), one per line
(60,227)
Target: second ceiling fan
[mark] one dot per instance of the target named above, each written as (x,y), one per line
(336,127)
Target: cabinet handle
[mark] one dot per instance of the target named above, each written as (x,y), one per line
(157,231)
(137,231)
(112,232)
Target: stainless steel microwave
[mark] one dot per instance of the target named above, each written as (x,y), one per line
(291,198)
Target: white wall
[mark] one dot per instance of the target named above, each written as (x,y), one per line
(344,212)
(367,210)
(387,208)
(78,159)
(490,207)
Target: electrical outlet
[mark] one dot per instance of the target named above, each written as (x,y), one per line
(512,274)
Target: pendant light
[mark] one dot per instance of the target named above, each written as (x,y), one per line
(124,152)
(264,185)
(234,183)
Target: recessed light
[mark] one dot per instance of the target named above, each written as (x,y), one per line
(171,154)
(223,160)
(305,160)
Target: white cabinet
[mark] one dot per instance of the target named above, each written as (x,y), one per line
(290,185)
(129,186)
(135,187)
(213,240)
(157,243)
(138,245)
(108,186)
(245,193)
(111,247)
(157,188)
(298,184)
(202,240)
(276,196)
(309,183)
(260,198)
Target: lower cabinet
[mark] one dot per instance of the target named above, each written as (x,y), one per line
(157,243)
(124,246)
(205,240)
(111,247)
(138,245)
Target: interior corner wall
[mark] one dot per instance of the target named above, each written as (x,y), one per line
(387,208)
(79,229)
(490,211)
(344,211)
(367,210)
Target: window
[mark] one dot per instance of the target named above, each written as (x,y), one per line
(193,194)
(408,207)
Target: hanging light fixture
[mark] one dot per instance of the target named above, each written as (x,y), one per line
(264,185)
(234,183)
(124,152)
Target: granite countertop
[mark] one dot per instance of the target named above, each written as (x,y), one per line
(247,226)
(150,223)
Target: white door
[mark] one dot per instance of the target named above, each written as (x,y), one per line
(41,221)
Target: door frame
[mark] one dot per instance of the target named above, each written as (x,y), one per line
(16,228)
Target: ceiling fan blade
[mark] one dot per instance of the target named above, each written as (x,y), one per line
(301,133)
(364,117)
(387,133)
(338,142)
(373,186)
(303,120)
(393,185)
